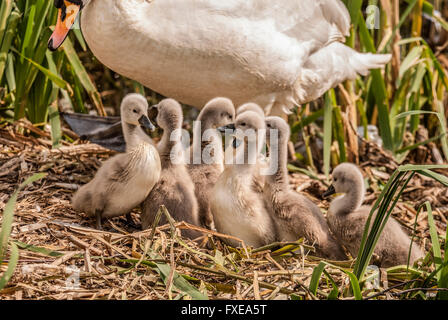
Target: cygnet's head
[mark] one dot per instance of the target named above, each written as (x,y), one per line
(253,107)
(347,178)
(134,111)
(217,113)
(169,115)
(277,128)
(247,128)
(250,107)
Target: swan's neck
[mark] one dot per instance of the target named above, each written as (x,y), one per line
(278,162)
(123,28)
(349,202)
(170,148)
(133,135)
(248,155)
(207,144)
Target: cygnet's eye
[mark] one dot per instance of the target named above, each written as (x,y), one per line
(269,125)
(243,124)
(335,179)
(135,111)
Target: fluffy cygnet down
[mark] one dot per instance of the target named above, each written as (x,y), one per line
(206,153)
(125,180)
(347,219)
(295,215)
(175,189)
(237,202)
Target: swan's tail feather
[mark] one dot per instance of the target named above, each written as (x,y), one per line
(331,66)
(362,63)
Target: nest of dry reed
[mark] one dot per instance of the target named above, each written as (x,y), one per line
(62,256)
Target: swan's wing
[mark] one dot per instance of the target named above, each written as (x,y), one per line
(336,13)
(248,50)
(318,20)
(322,21)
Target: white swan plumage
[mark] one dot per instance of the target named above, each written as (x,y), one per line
(275,53)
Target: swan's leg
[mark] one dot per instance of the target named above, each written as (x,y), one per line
(129,218)
(99,218)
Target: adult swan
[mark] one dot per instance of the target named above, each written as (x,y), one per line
(276,53)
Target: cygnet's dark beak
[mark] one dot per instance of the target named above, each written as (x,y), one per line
(331,190)
(227,127)
(236,143)
(144,122)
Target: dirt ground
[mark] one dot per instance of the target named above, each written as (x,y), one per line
(62,255)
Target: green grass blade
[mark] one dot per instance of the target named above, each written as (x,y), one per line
(354,6)
(403,18)
(7,219)
(443,281)
(178,281)
(307,121)
(410,60)
(361,264)
(339,133)
(385,204)
(416,145)
(315,277)
(55,124)
(379,89)
(42,10)
(8,214)
(328,129)
(83,76)
(335,292)
(53,77)
(434,175)
(53,112)
(355,285)
(40,250)
(138,88)
(414,167)
(434,239)
(13,259)
(80,38)
(443,125)
(5,11)
(6,40)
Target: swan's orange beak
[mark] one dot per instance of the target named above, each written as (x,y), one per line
(66,18)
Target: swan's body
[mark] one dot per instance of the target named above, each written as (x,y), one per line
(237,201)
(123,181)
(206,153)
(274,53)
(347,219)
(175,189)
(295,215)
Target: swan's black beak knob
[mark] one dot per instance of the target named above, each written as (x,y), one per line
(58,3)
